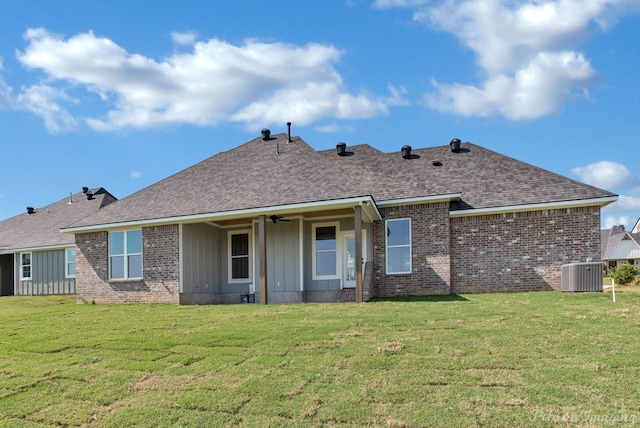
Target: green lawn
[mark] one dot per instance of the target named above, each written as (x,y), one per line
(527,359)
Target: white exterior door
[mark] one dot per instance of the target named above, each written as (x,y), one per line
(349,258)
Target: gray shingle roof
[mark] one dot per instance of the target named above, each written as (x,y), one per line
(609,238)
(484,178)
(255,175)
(250,176)
(42,228)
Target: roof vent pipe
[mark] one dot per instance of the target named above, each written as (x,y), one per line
(341,148)
(289,132)
(406,152)
(265,134)
(70,198)
(89,196)
(30,210)
(455,145)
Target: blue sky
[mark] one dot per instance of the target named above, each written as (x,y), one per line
(123,94)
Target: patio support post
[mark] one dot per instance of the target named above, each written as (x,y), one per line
(262,242)
(358,238)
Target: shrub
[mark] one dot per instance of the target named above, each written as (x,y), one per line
(624,274)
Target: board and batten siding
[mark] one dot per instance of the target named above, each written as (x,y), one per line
(625,250)
(203,258)
(47,275)
(283,256)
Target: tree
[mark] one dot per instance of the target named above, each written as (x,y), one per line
(624,274)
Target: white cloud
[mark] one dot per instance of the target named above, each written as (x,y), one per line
(5,91)
(387,4)
(607,175)
(187,38)
(614,176)
(5,94)
(254,82)
(525,50)
(536,90)
(135,174)
(43,100)
(611,220)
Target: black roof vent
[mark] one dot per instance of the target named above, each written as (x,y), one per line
(265,134)
(455,145)
(436,163)
(85,189)
(30,210)
(406,152)
(89,196)
(341,148)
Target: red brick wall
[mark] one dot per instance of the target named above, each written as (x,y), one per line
(161,269)
(521,251)
(430,252)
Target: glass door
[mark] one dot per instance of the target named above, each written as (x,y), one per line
(349,262)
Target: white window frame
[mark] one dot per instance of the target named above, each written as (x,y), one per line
(387,247)
(230,256)
(67,263)
(22,266)
(126,255)
(338,252)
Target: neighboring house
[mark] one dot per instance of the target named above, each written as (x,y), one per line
(620,246)
(35,258)
(279,219)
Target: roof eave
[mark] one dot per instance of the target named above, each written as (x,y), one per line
(535,207)
(370,214)
(35,248)
(420,200)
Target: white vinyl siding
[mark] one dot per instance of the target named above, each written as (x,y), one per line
(626,249)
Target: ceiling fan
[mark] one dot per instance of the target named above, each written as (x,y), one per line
(276,218)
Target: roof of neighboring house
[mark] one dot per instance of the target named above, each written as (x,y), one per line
(42,228)
(610,238)
(276,173)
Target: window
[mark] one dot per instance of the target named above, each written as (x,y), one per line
(70,263)
(25,266)
(125,254)
(239,256)
(399,246)
(325,251)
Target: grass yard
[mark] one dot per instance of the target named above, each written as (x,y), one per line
(527,359)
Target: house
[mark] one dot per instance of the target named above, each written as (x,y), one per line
(276,221)
(620,246)
(35,258)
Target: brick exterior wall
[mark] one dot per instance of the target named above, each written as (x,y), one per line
(521,251)
(161,269)
(349,294)
(430,252)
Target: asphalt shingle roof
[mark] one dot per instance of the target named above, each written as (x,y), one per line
(256,175)
(42,228)
(485,178)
